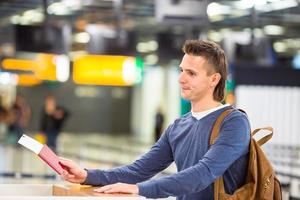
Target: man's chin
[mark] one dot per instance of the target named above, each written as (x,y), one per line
(185,96)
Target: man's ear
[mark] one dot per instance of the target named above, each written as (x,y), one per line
(214,79)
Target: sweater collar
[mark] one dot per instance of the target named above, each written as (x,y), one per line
(200,115)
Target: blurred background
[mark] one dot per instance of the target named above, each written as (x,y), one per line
(97,79)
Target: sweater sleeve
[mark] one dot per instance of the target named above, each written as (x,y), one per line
(232,142)
(157,159)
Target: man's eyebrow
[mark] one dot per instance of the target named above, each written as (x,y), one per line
(191,70)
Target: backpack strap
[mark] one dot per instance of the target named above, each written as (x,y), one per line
(217,125)
(264,139)
(219,183)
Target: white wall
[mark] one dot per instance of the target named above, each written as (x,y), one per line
(274,106)
(158,89)
(172,101)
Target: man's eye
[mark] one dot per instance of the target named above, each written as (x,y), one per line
(191,73)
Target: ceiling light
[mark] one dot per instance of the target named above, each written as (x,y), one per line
(280,47)
(142,47)
(239,13)
(33,16)
(151,59)
(293,43)
(279,5)
(58,8)
(101,30)
(15,19)
(258,32)
(259,2)
(24,21)
(217,9)
(247,30)
(152,45)
(216,18)
(82,37)
(274,30)
(73,4)
(226,30)
(246,4)
(215,36)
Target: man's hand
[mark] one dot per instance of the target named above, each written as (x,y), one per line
(72,172)
(119,188)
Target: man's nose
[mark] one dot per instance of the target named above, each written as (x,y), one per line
(181,78)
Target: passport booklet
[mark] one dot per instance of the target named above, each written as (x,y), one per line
(43,151)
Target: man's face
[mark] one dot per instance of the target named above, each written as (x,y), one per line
(195,83)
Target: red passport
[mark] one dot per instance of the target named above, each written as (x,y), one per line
(43,151)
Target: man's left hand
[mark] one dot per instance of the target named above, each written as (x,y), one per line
(119,188)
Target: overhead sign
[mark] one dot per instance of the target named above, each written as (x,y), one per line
(106,70)
(49,67)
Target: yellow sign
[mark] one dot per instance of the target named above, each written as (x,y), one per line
(19,64)
(104,70)
(43,66)
(27,80)
(46,66)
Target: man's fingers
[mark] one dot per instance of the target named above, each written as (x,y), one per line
(70,176)
(114,188)
(64,173)
(110,191)
(65,162)
(101,189)
(66,176)
(73,180)
(64,159)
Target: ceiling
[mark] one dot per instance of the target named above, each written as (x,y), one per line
(152,16)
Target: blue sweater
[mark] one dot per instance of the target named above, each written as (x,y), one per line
(186,143)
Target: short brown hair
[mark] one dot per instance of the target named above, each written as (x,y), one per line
(215,57)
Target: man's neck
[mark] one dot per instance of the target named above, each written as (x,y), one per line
(204,104)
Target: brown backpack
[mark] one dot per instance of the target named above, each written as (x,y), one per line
(261,181)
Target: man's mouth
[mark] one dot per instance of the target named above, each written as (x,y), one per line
(185,88)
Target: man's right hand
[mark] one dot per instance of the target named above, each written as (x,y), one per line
(72,172)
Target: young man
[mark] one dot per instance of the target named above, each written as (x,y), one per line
(202,81)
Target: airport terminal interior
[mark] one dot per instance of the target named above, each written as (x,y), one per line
(110,69)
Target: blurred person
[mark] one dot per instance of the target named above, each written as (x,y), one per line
(186,141)
(3,121)
(19,116)
(23,111)
(159,122)
(52,121)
